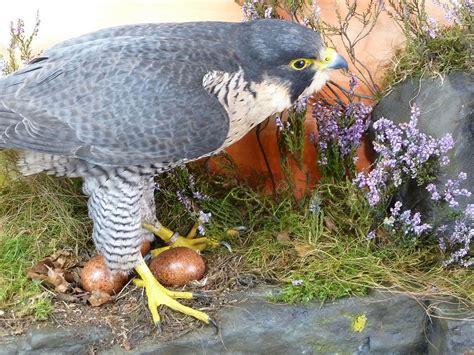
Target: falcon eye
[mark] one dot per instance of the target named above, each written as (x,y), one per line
(300,63)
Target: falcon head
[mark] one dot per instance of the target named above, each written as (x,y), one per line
(289,55)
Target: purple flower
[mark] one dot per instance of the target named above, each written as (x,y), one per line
(300,105)
(442,228)
(451,191)
(198,195)
(395,210)
(405,221)
(315,10)
(185,201)
(371,235)
(446,143)
(340,130)
(203,218)
(279,123)
(469,211)
(375,182)
(249,11)
(431,27)
(297,282)
(352,84)
(431,188)
(454,9)
(459,241)
(403,152)
(315,204)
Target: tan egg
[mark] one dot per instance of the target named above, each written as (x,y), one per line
(177,266)
(96,276)
(145,248)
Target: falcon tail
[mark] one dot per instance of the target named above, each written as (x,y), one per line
(30,163)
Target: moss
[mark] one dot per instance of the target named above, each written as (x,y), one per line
(450,51)
(38,216)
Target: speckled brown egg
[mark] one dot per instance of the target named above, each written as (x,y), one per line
(96,276)
(177,266)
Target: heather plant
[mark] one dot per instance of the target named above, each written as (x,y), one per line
(455,240)
(404,152)
(340,130)
(180,184)
(20,49)
(431,47)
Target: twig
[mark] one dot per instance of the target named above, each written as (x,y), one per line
(260,128)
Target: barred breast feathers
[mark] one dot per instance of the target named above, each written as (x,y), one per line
(246,103)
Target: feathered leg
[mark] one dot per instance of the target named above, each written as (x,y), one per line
(115,203)
(119,203)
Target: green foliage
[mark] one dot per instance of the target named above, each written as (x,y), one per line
(291,139)
(314,287)
(322,242)
(38,216)
(430,49)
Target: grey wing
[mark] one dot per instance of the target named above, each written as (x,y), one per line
(118,101)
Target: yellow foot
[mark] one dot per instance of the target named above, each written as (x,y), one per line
(175,240)
(158,295)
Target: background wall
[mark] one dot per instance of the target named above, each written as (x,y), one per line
(62,19)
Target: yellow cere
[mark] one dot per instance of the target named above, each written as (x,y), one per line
(327,55)
(359,322)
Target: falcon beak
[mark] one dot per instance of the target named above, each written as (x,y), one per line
(330,60)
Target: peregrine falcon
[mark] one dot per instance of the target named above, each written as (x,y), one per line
(120,105)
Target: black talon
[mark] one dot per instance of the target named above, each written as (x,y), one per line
(158,327)
(201,295)
(148,258)
(214,324)
(226,245)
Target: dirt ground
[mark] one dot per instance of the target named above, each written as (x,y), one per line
(127,315)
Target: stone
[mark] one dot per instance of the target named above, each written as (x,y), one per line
(447,106)
(380,323)
(451,330)
(394,324)
(48,341)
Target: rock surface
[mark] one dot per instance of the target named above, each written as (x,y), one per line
(54,341)
(451,330)
(447,106)
(395,324)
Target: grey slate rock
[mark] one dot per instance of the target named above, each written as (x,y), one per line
(395,325)
(451,330)
(51,341)
(446,106)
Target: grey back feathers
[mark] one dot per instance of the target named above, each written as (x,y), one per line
(134,95)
